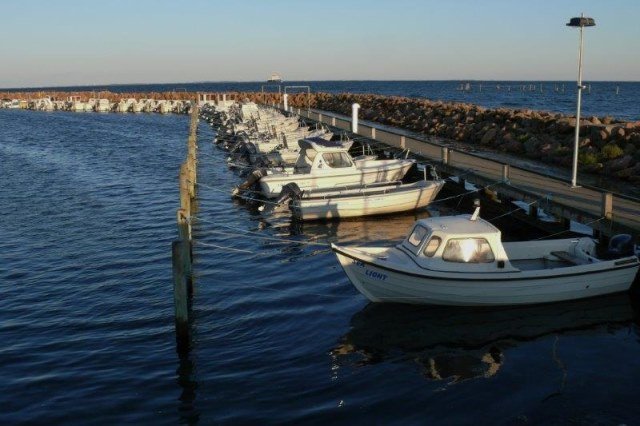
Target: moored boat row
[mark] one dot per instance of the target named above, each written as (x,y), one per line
(76,104)
(450,260)
(318,178)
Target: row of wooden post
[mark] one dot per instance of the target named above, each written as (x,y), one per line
(181,248)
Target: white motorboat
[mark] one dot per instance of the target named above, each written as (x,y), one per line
(103,105)
(150,105)
(163,106)
(370,200)
(139,105)
(279,151)
(461,260)
(326,164)
(125,105)
(12,104)
(75,104)
(44,104)
(90,104)
(275,78)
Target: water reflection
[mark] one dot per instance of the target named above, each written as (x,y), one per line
(387,229)
(187,380)
(382,228)
(456,343)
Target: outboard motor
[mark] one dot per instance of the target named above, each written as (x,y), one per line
(241,152)
(253,178)
(290,191)
(621,245)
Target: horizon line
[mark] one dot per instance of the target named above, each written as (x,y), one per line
(98,85)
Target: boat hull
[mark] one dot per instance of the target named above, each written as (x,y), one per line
(394,200)
(382,284)
(271,185)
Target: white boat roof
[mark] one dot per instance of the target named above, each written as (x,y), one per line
(322,145)
(459,225)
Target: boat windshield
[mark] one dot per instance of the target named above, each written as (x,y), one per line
(336,160)
(468,250)
(305,160)
(418,234)
(432,246)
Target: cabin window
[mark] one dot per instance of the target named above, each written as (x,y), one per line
(468,250)
(432,246)
(336,160)
(417,235)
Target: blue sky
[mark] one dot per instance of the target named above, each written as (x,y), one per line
(69,42)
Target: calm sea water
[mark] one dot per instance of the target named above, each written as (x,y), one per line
(280,336)
(617,99)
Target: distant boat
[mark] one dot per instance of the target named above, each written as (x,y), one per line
(275,78)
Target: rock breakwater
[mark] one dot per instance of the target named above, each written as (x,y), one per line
(607,146)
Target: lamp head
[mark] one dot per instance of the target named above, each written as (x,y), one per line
(581,21)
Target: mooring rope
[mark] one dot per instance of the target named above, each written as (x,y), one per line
(200,243)
(277,239)
(569,230)
(515,210)
(237,195)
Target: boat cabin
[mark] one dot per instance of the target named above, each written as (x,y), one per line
(321,154)
(457,244)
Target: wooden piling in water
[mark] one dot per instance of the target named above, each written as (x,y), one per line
(180,298)
(184,236)
(181,249)
(185,198)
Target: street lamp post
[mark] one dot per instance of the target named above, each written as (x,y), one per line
(580,22)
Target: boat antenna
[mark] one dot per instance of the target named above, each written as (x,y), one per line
(476,213)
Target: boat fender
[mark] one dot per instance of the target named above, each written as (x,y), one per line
(253,178)
(620,245)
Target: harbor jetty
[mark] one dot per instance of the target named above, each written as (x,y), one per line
(431,130)
(608,147)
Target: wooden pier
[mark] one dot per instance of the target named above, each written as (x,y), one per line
(606,212)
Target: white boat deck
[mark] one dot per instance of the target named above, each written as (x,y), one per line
(539,264)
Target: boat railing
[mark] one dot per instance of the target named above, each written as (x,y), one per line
(384,188)
(345,188)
